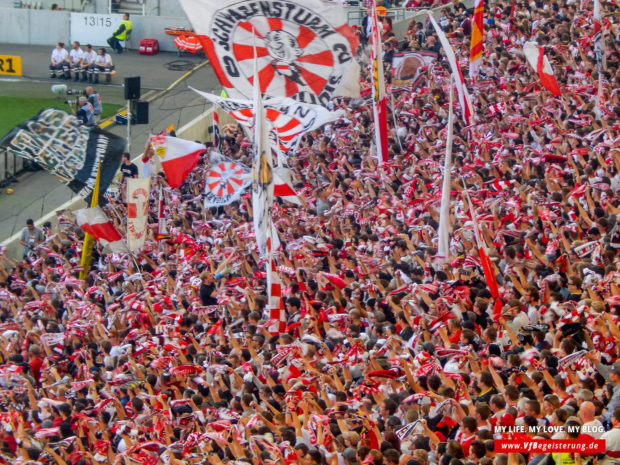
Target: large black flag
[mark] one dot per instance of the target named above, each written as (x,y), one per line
(59,143)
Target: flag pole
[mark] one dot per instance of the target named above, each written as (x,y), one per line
(394,118)
(443,250)
(89,241)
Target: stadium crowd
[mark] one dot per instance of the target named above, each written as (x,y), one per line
(166,357)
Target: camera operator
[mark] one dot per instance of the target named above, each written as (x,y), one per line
(95,100)
(85,112)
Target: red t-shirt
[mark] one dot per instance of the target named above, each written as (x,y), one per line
(35,367)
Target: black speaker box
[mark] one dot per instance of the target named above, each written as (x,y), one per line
(139,112)
(132,88)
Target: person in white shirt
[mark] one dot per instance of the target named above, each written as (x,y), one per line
(103,64)
(75,60)
(58,60)
(591,426)
(88,63)
(612,441)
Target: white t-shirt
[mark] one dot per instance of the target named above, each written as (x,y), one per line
(102,60)
(533,315)
(59,55)
(89,57)
(593,428)
(612,443)
(76,55)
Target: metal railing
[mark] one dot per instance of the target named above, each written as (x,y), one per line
(121,9)
(10,167)
(355,15)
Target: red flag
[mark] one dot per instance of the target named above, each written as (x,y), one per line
(178,157)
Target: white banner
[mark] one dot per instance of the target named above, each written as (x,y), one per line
(94,29)
(305,49)
(287,118)
(138,191)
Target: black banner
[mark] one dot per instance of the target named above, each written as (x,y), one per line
(60,144)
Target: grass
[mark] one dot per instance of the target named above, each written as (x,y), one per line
(16,110)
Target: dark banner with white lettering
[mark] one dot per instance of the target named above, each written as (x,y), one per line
(60,144)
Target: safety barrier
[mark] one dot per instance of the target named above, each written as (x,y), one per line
(10,167)
(355,15)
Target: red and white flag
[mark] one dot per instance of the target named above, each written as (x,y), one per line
(500,185)
(485,262)
(538,60)
(277,313)
(95,222)
(464,100)
(378,90)
(282,181)
(138,192)
(177,156)
(287,119)
(225,180)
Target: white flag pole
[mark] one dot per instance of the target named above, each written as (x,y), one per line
(443,249)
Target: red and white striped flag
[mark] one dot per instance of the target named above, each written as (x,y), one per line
(378,90)
(177,156)
(538,60)
(95,222)
(477,39)
(277,313)
(464,100)
(496,108)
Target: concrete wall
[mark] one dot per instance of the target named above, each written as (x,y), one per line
(41,27)
(152,27)
(44,27)
(47,4)
(169,7)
